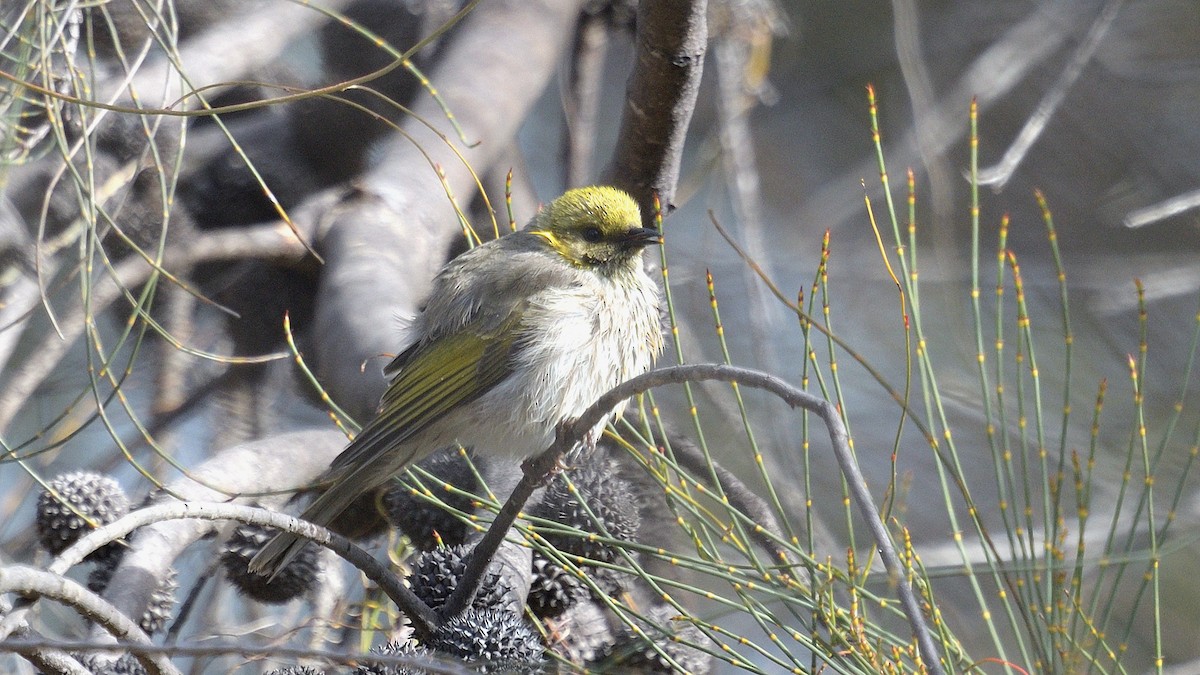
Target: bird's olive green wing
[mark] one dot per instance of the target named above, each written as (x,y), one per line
(431,379)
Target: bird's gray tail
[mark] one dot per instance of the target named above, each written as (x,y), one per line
(285,546)
(276,555)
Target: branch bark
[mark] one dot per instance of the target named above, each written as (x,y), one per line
(30,581)
(672,38)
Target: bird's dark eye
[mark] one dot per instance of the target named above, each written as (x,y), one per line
(592,235)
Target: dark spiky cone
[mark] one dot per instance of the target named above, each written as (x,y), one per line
(162,600)
(423,521)
(611,498)
(292,581)
(493,640)
(634,653)
(553,590)
(394,649)
(435,575)
(94,495)
(296,670)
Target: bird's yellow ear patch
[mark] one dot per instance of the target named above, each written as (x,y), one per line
(563,247)
(555,242)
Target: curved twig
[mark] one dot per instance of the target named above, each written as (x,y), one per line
(570,433)
(43,584)
(423,619)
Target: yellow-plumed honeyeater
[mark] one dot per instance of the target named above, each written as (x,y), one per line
(519,334)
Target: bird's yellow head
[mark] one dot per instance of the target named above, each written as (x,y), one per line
(599,227)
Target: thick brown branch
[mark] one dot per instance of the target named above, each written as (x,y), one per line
(671,40)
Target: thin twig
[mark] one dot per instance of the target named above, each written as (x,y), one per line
(536,470)
(570,433)
(1163,210)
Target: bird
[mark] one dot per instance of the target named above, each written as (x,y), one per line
(518,335)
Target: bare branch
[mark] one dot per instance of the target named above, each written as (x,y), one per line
(582,98)
(999,174)
(672,38)
(422,618)
(225,52)
(34,582)
(571,433)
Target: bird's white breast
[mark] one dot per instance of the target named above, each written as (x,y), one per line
(577,342)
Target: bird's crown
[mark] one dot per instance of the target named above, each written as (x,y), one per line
(594,226)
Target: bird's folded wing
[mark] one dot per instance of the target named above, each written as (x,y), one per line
(433,378)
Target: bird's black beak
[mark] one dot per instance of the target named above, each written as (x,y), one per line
(640,237)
